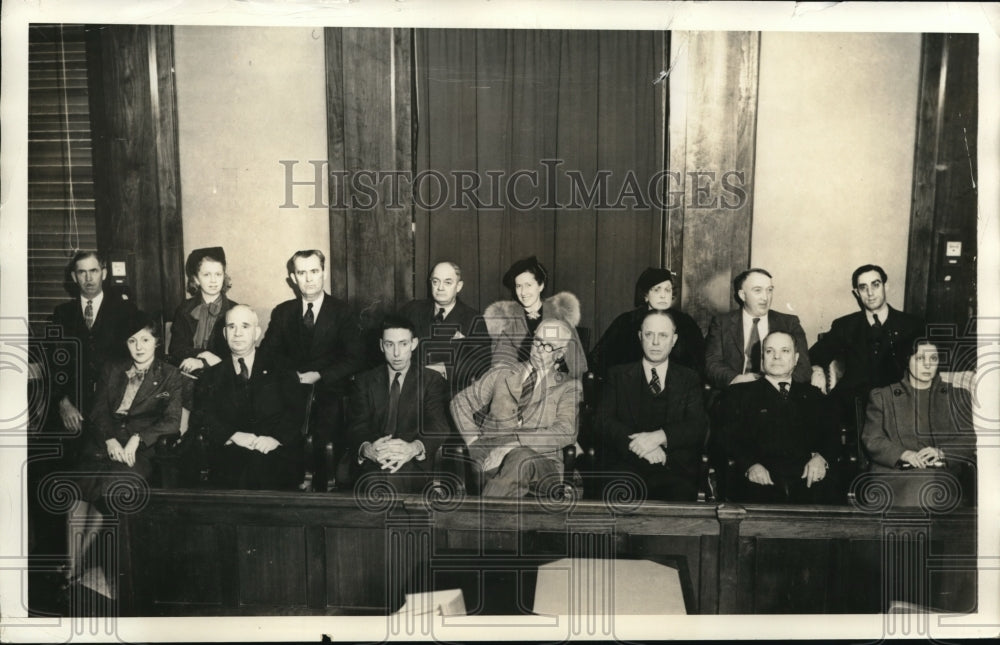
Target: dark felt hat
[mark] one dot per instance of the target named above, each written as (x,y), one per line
(217,253)
(649,279)
(526,264)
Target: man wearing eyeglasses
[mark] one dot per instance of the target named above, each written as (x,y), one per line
(871,346)
(652,419)
(532,414)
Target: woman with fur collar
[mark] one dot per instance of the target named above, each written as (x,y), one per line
(512,323)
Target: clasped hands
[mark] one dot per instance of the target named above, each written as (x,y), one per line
(649,446)
(124,455)
(814,471)
(261,444)
(390,453)
(923,457)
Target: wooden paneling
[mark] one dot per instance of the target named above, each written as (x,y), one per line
(944,206)
(217,552)
(353,578)
(274,557)
(369,131)
(719,114)
(133,112)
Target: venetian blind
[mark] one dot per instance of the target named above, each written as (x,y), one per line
(60,178)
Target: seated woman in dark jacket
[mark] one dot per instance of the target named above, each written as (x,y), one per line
(136,403)
(196,340)
(919,427)
(620,343)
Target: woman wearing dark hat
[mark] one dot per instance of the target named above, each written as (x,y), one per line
(512,323)
(196,339)
(620,343)
(136,403)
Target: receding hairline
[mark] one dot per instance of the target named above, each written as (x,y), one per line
(454,267)
(235,308)
(778,333)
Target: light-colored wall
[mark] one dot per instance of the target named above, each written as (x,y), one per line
(834,168)
(247,98)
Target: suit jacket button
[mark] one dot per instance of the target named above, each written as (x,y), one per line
(897,391)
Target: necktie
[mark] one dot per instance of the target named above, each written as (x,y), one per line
(390,417)
(88,314)
(526,391)
(654,383)
(784,389)
(309,319)
(753,348)
(875,335)
(439,317)
(244,372)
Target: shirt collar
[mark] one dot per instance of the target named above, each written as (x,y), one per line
(402,374)
(661,370)
(447,310)
(133,371)
(883,315)
(775,381)
(248,359)
(317,305)
(95,302)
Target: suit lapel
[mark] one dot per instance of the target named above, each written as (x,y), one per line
(324,320)
(737,331)
(635,380)
(149,383)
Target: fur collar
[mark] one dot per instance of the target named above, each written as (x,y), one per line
(508,315)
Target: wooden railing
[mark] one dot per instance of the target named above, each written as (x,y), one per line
(198,552)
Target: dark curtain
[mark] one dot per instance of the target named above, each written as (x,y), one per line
(502,101)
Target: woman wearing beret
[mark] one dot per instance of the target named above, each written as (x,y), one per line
(512,323)
(196,340)
(136,403)
(919,428)
(620,343)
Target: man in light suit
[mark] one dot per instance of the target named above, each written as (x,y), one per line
(652,417)
(100,322)
(871,346)
(779,434)
(532,413)
(316,335)
(733,349)
(398,412)
(252,410)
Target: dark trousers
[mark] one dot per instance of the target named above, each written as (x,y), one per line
(673,482)
(411,478)
(789,487)
(239,468)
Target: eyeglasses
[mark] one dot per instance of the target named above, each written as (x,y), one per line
(548,347)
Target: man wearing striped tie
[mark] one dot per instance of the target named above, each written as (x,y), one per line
(651,418)
(100,321)
(532,413)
